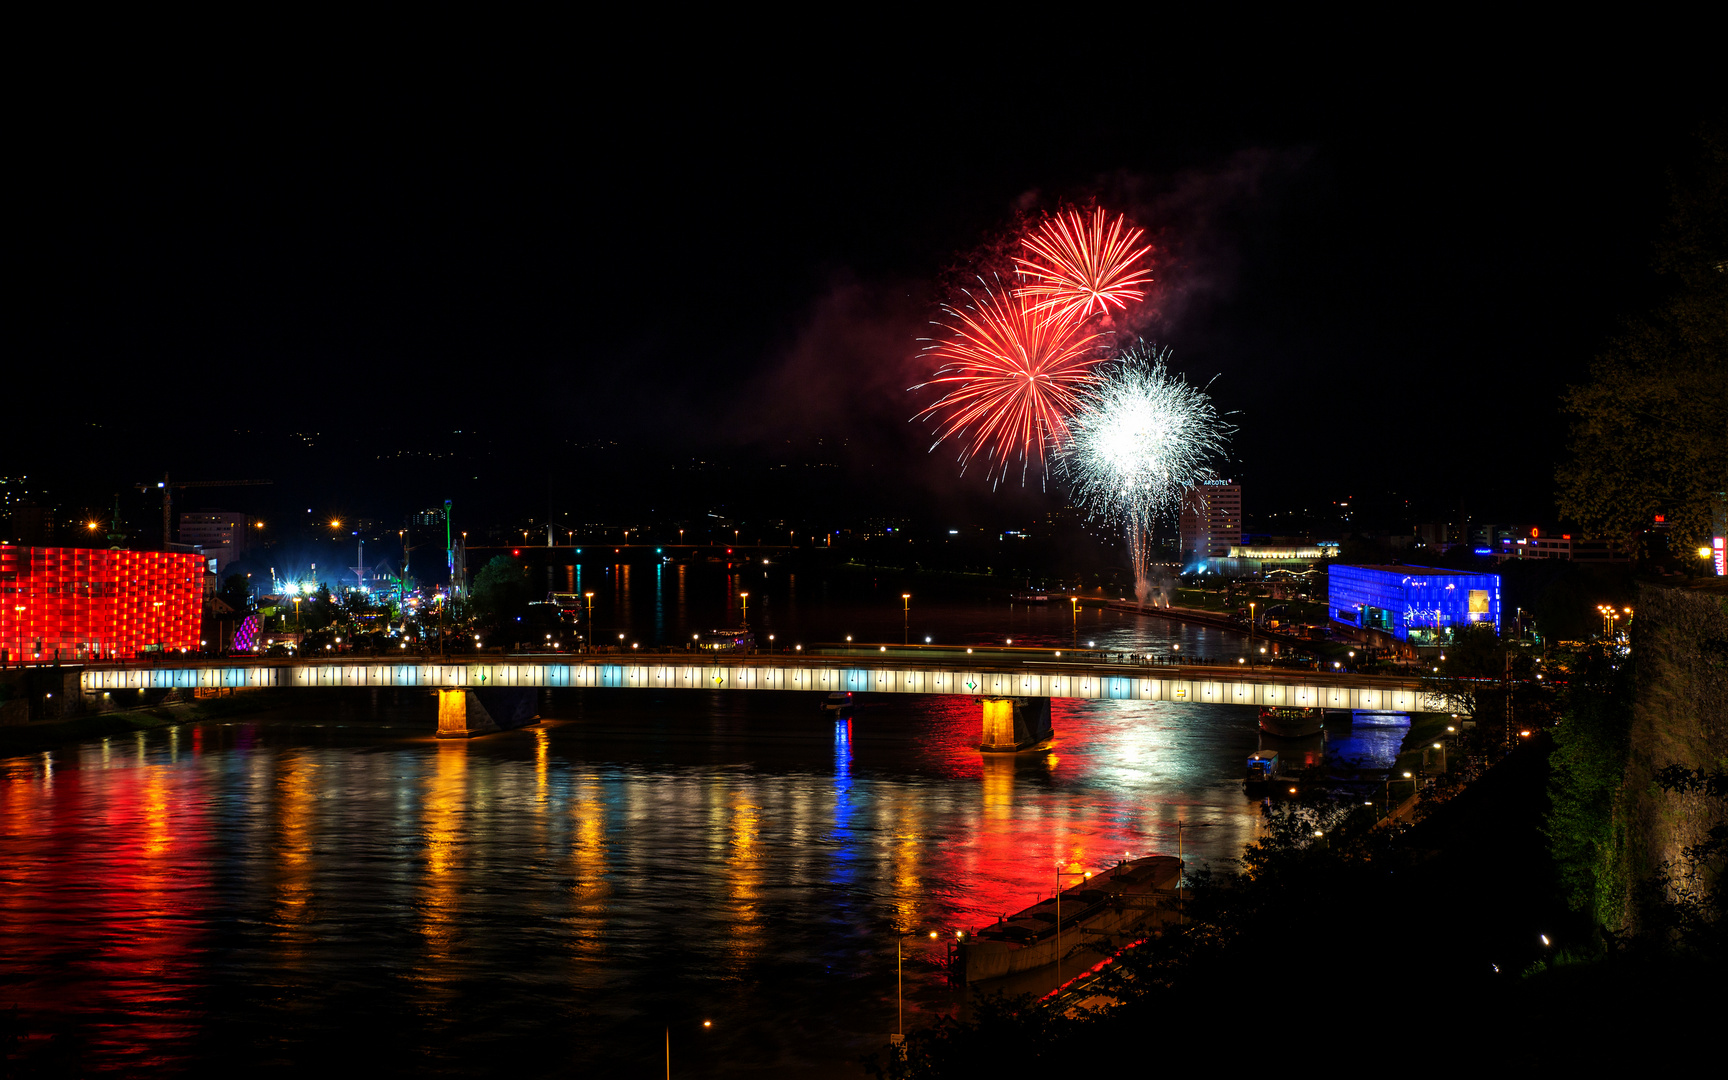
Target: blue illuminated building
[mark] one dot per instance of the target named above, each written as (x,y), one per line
(1417,604)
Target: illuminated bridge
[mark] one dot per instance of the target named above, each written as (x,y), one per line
(1030,679)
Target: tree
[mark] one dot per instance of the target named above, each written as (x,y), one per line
(1473,669)
(237,593)
(500,591)
(1587,769)
(1650,428)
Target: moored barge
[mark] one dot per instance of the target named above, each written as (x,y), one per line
(1121,900)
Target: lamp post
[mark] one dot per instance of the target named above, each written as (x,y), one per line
(1060,874)
(900,987)
(706,1026)
(590,598)
(1250,624)
(745,598)
(906,618)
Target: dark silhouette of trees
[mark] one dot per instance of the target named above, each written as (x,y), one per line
(500,593)
(1650,428)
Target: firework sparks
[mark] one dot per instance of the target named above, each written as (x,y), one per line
(1011,376)
(1142,438)
(1078,268)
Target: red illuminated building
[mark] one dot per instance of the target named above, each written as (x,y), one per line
(89,603)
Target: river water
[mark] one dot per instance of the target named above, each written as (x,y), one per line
(328,886)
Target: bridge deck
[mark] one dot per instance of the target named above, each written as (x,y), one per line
(1111,681)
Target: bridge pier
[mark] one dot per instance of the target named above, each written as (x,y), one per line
(1015,724)
(464,713)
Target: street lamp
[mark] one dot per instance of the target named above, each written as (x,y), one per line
(1060,874)
(745,597)
(590,597)
(906,617)
(707,1025)
(900,987)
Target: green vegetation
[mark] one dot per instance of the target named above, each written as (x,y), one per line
(500,593)
(1589,764)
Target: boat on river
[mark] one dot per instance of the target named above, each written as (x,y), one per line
(1102,909)
(1291,723)
(1263,767)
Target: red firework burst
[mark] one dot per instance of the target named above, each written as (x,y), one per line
(1081,268)
(1013,377)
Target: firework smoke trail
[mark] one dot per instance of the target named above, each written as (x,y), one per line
(1142,438)
(1011,377)
(1079,268)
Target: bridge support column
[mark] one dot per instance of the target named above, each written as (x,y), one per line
(1015,724)
(461,715)
(464,712)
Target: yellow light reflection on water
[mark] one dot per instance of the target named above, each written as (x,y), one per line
(542,760)
(998,787)
(589,855)
(444,806)
(295,799)
(906,861)
(744,878)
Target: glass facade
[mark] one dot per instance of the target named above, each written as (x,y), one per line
(84,603)
(1417,604)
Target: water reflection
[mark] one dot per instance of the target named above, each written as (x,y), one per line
(444,801)
(295,796)
(750,852)
(590,889)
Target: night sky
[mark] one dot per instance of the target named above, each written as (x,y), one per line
(383,293)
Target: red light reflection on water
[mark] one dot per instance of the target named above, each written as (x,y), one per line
(100,922)
(1101,793)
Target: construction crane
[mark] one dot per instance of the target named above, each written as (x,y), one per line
(167,487)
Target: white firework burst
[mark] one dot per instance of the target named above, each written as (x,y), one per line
(1140,442)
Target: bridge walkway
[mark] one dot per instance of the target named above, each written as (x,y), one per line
(1032,678)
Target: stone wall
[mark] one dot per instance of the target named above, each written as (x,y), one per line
(1680,717)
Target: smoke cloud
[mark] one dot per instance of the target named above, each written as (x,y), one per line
(1197,220)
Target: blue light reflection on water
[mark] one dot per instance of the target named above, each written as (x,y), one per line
(1372,742)
(845,835)
(640,853)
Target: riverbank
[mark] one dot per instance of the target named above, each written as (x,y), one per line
(1416,920)
(18,740)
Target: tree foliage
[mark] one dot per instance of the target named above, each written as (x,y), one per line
(1587,769)
(1650,428)
(1471,680)
(237,592)
(500,591)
